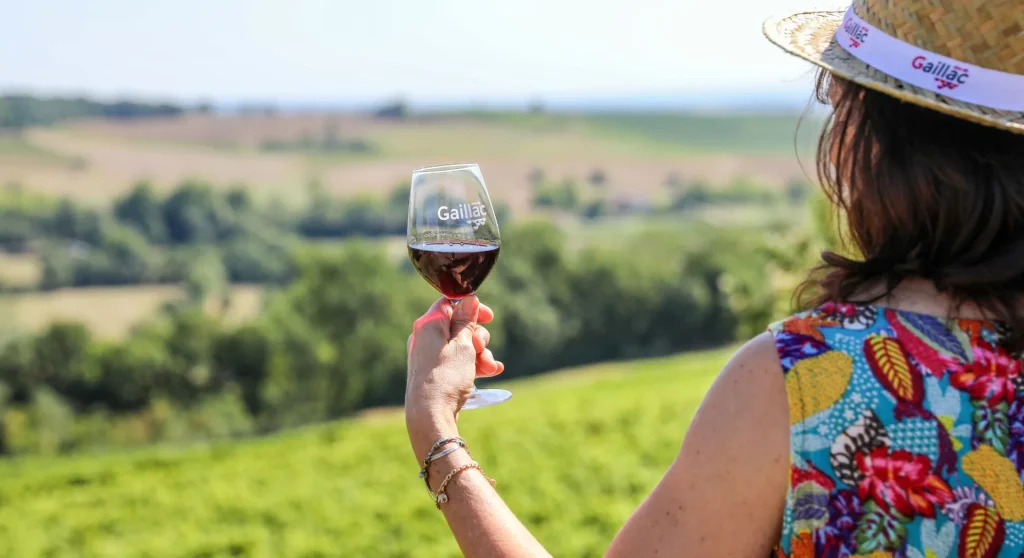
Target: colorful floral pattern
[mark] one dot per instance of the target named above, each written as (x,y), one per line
(907,436)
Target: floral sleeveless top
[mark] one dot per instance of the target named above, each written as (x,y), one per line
(907,436)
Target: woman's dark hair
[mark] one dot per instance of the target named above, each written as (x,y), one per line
(919,194)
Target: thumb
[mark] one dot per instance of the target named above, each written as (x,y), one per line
(464,318)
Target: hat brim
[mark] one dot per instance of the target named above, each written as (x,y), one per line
(811,36)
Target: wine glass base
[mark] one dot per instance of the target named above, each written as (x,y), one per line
(481,398)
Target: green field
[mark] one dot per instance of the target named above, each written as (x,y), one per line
(749,134)
(574,453)
(676,133)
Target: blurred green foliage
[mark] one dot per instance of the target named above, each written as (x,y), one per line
(564,196)
(325,345)
(146,237)
(586,447)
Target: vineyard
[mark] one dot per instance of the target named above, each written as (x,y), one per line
(575,452)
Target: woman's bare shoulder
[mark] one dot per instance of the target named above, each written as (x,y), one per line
(754,374)
(751,386)
(725,493)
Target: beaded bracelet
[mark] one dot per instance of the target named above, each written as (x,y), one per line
(442,494)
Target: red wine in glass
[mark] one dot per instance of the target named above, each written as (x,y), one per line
(453,240)
(456,269)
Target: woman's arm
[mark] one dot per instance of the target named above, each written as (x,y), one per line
(447,351)
(723,496)
(481,522)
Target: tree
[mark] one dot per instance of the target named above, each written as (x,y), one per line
(564,196)
(595,209)
(17,369)
(16,113)
(258,259)
(188,339)
(18,231)
(194,213)
(128,259)
(141,209)
(239,199)
(129,372)
(397,110)
(205,277)
(73,222)
(697,195)
(63,360)
(243,356)
(335,293)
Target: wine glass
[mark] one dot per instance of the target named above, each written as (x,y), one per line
(453,239)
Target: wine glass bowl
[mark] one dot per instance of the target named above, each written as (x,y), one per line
(454,240)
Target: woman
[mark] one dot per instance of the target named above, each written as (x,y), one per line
(889,419)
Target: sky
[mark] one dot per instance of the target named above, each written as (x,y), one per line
(425,51)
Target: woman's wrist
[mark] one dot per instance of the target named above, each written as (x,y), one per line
(427,427)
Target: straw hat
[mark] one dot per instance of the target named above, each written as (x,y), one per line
(960,57)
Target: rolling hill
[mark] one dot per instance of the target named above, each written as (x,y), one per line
(278,155)
(574,453)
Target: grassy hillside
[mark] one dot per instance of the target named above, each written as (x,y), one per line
(674,134)
(574,453)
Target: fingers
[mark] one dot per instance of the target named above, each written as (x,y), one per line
(485,315)
(438,316)
(454,320)
(442,305)
(442,308)
(464,317)
(485,364)
(481,337)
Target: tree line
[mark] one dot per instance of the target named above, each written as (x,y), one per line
(22,111)
(148,237)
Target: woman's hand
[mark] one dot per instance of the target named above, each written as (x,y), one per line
(447,351)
